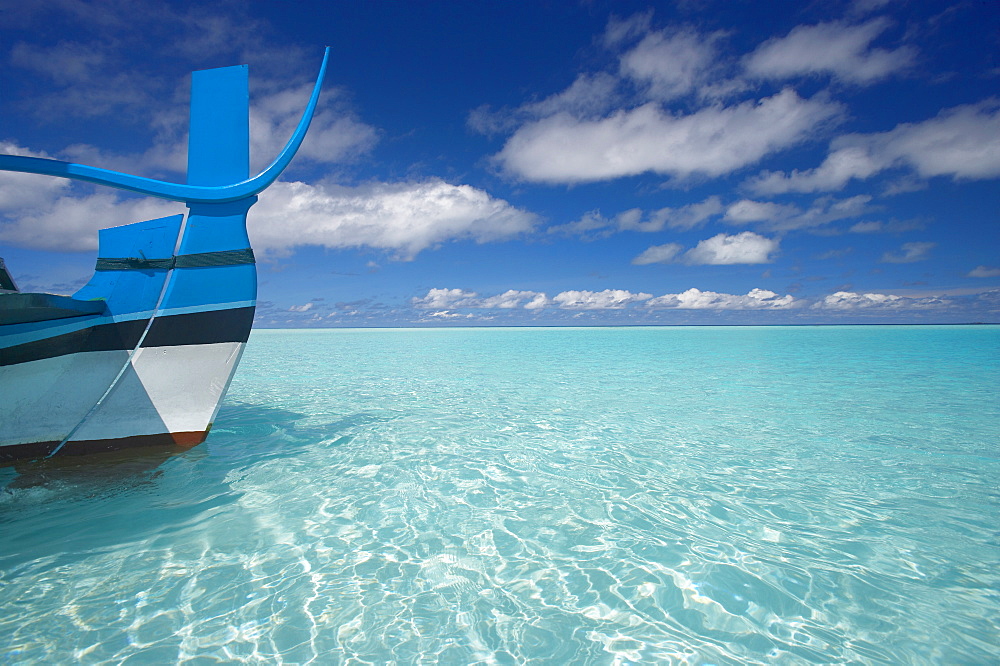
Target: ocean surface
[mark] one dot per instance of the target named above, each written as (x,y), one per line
(702,495)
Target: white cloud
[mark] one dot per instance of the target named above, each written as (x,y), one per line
(537,302)
(984,272)
(593,224)
(620,30)
(658,254)
(962,142)
(910,253)
(22,191)
(446,299)
(609,299)
(53,214)
(683,218)
(453,299)
(445,302)
(301,308)
(405,217)
(866,228)
(444,314)
(838,49)
(712,141)
(893,226)
(670,65)
(46,213)
(849,300)
(589,95)
(861,7)
(512,298)
(770,216)
(695,299)
(50,214)
(742,248)
(335,135)
(837,169)
(745,210)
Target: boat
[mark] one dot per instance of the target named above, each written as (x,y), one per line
(144,353)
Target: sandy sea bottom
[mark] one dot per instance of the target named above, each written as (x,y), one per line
(544,496)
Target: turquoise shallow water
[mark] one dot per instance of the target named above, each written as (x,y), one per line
(549,496)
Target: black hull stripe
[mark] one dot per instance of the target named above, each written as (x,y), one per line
(200,260)
(196,328)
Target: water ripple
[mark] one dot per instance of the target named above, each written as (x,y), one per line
(514,496)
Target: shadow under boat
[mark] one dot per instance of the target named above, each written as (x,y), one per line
(63,509)
(243,434)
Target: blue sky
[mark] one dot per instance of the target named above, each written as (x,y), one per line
(542,163)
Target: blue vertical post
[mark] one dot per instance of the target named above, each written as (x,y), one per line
(219,138)
(218,154)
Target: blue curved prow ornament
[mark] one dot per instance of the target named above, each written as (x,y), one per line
(192,191)
(144,353)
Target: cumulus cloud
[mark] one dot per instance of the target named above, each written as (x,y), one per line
(742,248)
(448,300)
(405,217)
(445,314)
(658,254)
(512,298)
(683,218)
(45,213)
(613,125)
(745,210)
(892,226)
(301,308)
(962,142)
(837,169)
(695,299)
(448,303)
(712,141)
(670,65)
(71,223)
(984,272)
(335,134)
(909,253)
(589,95)
(593,224)
(453,299)
(613,299)
(849,300)
(837,49)
(770,216)
(22,191)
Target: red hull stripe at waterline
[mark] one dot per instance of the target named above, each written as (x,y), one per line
(9,454)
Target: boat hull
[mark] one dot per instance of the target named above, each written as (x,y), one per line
(158,395)
(143,354)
